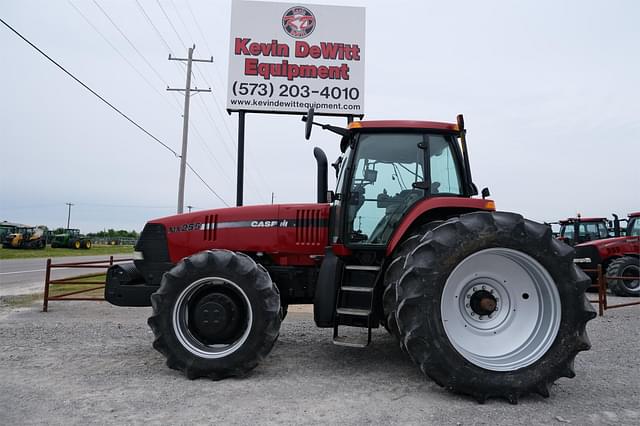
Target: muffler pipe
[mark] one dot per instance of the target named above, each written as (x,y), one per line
(321,159)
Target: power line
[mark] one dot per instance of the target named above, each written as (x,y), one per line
(150,21)
(209,84)
(206,184)
(171,23)
(257,172)
(204,39)
(119,53)
(179,64)
(182,21)
(208,150)
(93,92)
(130,42)
(90,89)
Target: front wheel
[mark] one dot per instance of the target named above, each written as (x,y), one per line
(216,314)
(490,305)
(626,268)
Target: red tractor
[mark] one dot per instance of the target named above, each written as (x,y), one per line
(576,230)
(619,257)
(486,303)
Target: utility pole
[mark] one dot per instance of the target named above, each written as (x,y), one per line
(69,214)
(185,125)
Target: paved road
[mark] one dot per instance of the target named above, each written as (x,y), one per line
(25,276)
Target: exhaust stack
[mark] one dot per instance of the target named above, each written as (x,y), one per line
(321,159)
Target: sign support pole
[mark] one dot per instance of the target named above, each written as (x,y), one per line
(240,180)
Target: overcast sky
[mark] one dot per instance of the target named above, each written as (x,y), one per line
(549,89)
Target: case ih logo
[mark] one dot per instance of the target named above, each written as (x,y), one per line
(298,22)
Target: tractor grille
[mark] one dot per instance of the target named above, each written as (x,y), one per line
(153,243)
(210,229)
(308,227)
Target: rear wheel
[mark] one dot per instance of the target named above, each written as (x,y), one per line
(86,244)
(626,266)
(490,305)
(216,314)
(394,272)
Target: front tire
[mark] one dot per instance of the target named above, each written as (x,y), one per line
(626,266)
(490,305)
(216,314)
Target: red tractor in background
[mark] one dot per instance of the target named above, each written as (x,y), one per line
(577,230)
(619,257)
(486,303)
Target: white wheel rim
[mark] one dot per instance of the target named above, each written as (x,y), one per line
(181,320)
(527,312)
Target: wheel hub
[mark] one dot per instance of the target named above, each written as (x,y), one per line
(481,301)
(216,317)
(212,317)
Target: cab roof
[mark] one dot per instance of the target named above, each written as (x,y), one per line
(403,124)
(583,219)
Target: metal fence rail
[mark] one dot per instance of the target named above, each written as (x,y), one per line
(95,284)
(601,283)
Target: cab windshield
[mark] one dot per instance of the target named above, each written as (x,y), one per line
(390,173)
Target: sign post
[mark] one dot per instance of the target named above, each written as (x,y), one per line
(286,58)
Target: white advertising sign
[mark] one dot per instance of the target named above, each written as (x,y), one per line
(288,57)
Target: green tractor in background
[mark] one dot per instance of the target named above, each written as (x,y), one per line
(71,238)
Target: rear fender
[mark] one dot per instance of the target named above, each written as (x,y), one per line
(439,208)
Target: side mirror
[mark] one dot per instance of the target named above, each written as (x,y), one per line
(370,175)
(485,192)
(308,123)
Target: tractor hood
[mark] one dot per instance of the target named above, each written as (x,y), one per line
(608,243)
(283,232)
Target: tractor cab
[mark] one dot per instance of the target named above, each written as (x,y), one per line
(577,230)
(633,226)
(386,168)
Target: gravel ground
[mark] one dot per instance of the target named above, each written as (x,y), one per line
(93,363)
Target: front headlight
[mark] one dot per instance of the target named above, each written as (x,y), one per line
(582,260)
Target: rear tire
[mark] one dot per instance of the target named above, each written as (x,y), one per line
(86,244)
(627,266)
(393,274)
(216,314)
(490,305)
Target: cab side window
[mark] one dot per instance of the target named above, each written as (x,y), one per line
(444,173)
